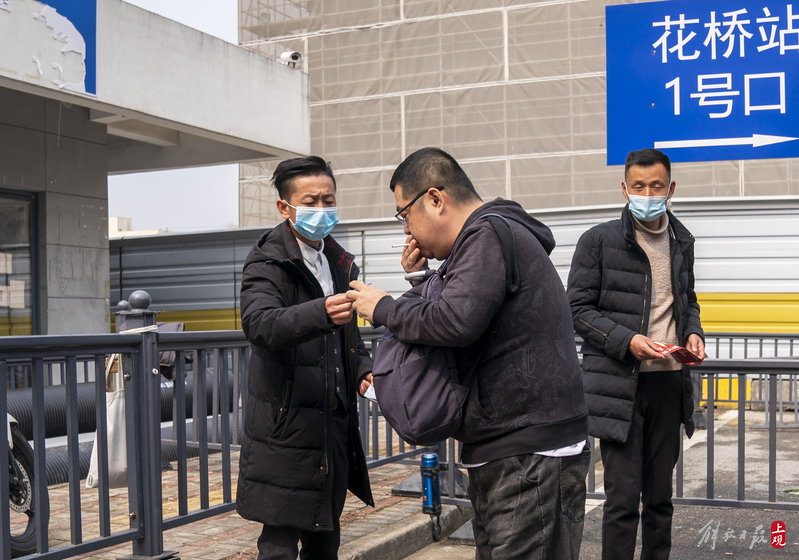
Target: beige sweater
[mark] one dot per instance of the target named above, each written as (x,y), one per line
(662,326)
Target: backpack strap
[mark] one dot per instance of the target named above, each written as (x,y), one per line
(508,243)
(512,281)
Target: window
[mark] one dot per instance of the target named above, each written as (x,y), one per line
(17,275)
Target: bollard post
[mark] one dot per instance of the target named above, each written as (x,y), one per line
(143,429)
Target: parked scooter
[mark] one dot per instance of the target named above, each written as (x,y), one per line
(21,491)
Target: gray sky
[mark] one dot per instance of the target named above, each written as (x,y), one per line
(186,199)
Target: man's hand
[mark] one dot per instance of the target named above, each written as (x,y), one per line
(364,383)
(412,259)
(339,309)
(696,345)
(644,349)
(364,299)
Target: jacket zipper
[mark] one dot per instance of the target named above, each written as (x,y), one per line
(637,365)
(593,328)
(344,343)
(643,311)
(325,466)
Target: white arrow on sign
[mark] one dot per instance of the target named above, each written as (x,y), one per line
(755,141)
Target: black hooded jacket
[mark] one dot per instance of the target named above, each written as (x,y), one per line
(610,292)
(284,474)
(528,391)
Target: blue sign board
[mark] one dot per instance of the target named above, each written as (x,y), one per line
(703,80)
(82,15)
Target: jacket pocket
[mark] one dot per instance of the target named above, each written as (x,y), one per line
(593,328)
(283,411)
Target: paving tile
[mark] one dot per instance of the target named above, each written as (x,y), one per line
(223,537)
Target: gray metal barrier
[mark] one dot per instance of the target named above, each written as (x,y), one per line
(220,358)
(760,364)
(772,369)
(217,356)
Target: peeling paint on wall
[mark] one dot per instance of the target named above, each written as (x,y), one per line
(63,30)
(45,46)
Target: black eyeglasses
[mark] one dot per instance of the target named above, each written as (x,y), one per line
(401,219)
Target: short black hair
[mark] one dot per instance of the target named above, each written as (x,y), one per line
(647,158)
(287,170)
(433,168)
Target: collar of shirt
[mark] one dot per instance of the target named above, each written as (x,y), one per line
(316,261)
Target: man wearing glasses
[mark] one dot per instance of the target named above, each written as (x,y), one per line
(525,421)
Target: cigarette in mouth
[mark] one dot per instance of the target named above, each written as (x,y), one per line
(400,245)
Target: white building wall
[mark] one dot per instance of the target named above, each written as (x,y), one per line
(513,89)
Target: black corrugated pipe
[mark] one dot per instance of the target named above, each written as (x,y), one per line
(55,406)
(58,460)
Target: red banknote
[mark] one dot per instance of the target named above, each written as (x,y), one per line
(682,355)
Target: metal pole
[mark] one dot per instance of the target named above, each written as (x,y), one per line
(5,518)
(741,436)
(40,499)
(146,383)
(700,421)
(772,438)
(101,445)
(76,530)
(711,416)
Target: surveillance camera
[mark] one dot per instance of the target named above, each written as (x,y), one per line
(290,58)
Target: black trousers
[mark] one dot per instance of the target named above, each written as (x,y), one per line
(280,543)
(639,471)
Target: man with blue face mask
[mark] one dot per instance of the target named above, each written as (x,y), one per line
(631,286)
(301,449)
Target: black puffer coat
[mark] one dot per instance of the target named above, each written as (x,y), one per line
(284,475)
(610,290)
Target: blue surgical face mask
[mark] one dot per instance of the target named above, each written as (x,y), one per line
(646,208)
(313,222)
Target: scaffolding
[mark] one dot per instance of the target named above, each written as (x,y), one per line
(514,90)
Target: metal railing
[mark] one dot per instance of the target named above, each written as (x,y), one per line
(220,359)
(769,359)
(711,369)
(748,346)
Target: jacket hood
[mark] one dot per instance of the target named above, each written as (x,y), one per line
(511,210)
(273,245)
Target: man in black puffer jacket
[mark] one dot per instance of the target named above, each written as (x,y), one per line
(631,286)
(524,422)
(301,448)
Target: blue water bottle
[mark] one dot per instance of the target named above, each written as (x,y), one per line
(431,492)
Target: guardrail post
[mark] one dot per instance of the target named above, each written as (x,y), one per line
(700,420)
(145,429)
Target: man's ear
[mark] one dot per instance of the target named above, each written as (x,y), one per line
(436,199)
(671,189)
(624,191)
(283,208)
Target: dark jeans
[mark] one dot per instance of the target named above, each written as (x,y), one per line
(529,506)
(280,543)
(640,469)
